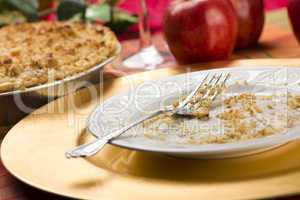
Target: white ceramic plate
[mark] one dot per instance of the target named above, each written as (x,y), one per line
(139,101)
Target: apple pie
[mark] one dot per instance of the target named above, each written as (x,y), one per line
(36,53)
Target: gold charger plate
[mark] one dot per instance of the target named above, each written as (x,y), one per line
(33,151)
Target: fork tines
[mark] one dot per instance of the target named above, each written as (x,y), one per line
(210,87)
(215,85)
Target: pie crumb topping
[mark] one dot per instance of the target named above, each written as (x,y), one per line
(37,53)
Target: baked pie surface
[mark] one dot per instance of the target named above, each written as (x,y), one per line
(36,53)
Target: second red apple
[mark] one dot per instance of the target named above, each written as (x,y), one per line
(251,18)
(294,13)
(200,30)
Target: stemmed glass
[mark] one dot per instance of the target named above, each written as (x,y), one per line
(147,57)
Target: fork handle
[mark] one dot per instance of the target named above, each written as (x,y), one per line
(95,146)
(88,149)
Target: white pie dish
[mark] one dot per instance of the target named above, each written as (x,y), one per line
(126,107)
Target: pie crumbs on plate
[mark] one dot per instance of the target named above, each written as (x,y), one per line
(36,53)
(241,116)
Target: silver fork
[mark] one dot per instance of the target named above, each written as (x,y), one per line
(93,147)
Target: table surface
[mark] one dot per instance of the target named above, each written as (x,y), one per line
(277,41)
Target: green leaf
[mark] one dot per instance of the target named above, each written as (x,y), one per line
(122,20)
(68,8)
(3,5)
(113,2)
(98,12)
(76,18)
(28,7)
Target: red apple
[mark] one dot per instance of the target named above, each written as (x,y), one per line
(200,30)
(293,9)
(251,18)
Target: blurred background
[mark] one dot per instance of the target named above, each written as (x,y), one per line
(12,11)
(122,17)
